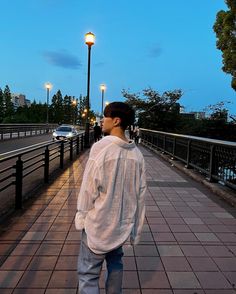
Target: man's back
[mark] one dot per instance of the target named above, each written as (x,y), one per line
(117,168)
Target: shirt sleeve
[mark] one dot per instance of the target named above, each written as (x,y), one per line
(140,213)
(89,191)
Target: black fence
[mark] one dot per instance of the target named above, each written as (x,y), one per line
(213,158)
(22,172)
(13,131)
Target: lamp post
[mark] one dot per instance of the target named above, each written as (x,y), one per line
(74,104)
(103,88)
(89,40)
(48,87)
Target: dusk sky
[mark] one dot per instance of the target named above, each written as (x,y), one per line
(161,44)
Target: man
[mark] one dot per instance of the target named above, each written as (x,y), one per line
(97,132)
(110,208)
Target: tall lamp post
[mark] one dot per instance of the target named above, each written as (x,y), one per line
(74,104)
(48,87)
(102,88)
(89,40)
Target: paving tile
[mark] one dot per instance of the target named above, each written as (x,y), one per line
(34,236)
(213,280)
(156,291)
(129,263)
(207,237)
(231,277)
(219,251)
(193,250)
(149,264)
(67,263)
(159,228)
(6,291)
(63,279)
(227,237)
(25,249)
(54,236)
(16,263)
(223,215)
(169,250)
(49,249)
(175,221)
(221,291)
(61,291)
(179,228)
(28,291)
(185,237)
(226,264)
(183,280)
(174,264)
(153,280)
(34,279)
(193,221)
(42,263)
(192,291)
(145,250)
(130,280)
(9,279)
(164,237)
(202,264)
(70,249)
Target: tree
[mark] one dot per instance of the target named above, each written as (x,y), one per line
(1,106)
(154,110)
(56,108)
(225,29)
(218,111)
(8,105)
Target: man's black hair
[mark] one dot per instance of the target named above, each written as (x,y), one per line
(121,110)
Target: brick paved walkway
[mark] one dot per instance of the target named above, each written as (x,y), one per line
(188,243)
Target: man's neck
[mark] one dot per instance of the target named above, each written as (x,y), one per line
(118,132)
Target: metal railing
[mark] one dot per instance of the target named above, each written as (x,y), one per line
(23,171)
(13,131)
(213,158)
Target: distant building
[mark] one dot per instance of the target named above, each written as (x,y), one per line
(20,100)
(199,114)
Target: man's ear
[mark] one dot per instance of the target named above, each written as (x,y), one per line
(116,121)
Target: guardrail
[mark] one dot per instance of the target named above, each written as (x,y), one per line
(13,131)
(213,158)
(22,172)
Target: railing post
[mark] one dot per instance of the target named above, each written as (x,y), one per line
(82,142)
(77,145)
(164,143)
(19,183)
(211,168)
(188,154)
(174,147)
(62,155)
(71,149)
(46,165)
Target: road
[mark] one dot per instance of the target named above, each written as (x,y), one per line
(12,145)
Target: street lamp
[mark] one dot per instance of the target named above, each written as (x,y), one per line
(48,87)
(102,88)
(89,40)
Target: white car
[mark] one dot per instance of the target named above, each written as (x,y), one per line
(64,132)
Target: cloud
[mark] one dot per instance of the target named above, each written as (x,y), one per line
(100,64)
(62,59)
(155,51)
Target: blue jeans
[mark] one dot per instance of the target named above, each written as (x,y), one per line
(90,266)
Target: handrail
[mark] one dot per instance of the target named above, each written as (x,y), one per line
(10,131)
(216,159)
(18,165)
